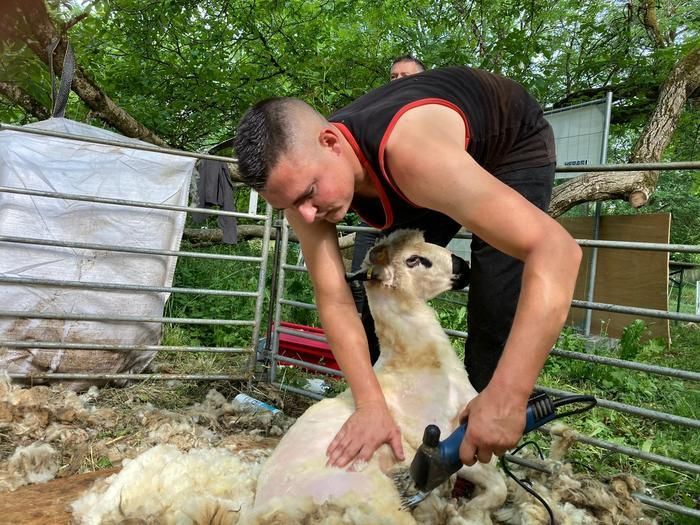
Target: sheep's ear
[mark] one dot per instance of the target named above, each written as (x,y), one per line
(379,255)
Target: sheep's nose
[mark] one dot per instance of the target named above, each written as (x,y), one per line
(460,273)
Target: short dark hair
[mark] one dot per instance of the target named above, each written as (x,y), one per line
(409,58)
(263,135)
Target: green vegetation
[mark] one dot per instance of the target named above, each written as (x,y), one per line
(213,274)
(665,394)
(188,70)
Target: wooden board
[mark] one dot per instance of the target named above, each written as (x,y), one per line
(46,503)
(624,277)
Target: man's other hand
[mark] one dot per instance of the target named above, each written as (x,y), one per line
(369,427)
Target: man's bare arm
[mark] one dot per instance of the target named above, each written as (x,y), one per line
(427,158)
(371,425)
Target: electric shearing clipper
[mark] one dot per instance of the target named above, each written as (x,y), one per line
(435,461)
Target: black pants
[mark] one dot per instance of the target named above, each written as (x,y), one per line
(495,282)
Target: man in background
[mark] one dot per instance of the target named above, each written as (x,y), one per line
(404,66)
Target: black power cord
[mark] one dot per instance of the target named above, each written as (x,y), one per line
(545,409)
(524,483)
(589,402)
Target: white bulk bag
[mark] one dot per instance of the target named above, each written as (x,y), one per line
(67,166)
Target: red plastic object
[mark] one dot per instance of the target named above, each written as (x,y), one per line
(307,350)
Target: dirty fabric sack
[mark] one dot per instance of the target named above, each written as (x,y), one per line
(36,162)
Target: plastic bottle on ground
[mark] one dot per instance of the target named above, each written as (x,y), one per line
(245,399)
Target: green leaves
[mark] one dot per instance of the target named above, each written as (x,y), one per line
(630,341)
(189,69)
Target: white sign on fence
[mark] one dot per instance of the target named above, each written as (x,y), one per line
(579,134)
(697,298)
(253,202)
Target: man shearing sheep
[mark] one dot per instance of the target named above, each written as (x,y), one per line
(439,150)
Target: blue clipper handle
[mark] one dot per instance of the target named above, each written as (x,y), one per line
(540,410)
(449,449)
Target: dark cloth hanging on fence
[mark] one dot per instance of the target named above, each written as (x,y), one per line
(214,188)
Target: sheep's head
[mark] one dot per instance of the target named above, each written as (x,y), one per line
(404,261)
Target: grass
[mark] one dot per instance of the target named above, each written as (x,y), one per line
(687,298)
(216,275)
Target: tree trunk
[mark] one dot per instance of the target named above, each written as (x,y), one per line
(682,82)
(215,236)
(637,186)
(247,231)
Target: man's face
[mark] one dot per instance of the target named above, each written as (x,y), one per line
(317,182)
(404,68)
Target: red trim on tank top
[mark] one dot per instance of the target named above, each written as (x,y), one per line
(390,128)
(383,198)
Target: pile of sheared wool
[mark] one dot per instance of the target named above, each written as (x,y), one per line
(51,431)
(165,485)
(199,465)
(35,463)
(575,498)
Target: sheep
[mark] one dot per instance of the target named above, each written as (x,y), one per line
(423,382)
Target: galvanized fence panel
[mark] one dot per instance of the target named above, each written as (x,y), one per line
(253,325)
(259,326)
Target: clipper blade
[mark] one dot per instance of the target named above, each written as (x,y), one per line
(410,495)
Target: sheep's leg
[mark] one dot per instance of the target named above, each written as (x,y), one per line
(490,486)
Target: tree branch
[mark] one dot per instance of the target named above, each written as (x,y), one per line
(247,231)
(630,186)
(636,187)
(647,16)
(621,91)
(82,16)
(24,100)
(31,23)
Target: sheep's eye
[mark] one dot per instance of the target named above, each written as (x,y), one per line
(415,260)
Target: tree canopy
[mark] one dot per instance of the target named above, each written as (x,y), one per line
(184,71)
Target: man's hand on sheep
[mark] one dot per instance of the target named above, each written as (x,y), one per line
(496,424)
(369,427)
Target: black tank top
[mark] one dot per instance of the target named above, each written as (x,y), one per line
(505,130)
